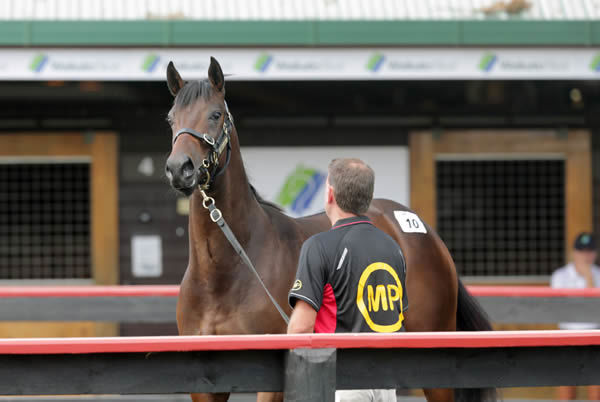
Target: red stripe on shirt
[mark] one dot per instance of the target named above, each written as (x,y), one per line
(326,321)
(351,223)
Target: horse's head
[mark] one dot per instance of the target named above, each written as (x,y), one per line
(201,126)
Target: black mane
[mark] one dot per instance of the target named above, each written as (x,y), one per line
(263,201)
(193,90)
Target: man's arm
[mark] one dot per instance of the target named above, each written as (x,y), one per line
(303,319)
(306,294)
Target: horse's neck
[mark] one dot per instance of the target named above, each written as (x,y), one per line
(238,204)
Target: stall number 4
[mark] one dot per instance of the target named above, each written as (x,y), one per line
(410,222)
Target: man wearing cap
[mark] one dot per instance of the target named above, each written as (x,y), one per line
(580,273)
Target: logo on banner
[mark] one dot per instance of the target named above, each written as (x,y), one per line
(487,62)
(38,63)
(595,64)
(375,62)
(263,62)
(150,63)
(300,188)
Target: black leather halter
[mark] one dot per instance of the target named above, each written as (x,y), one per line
(210,165)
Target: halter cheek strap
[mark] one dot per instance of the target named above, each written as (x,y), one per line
(210,141)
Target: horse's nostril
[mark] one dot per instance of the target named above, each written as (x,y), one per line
(168,172)
(187,170)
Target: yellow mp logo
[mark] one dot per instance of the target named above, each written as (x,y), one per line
(379,297)
(383,297)
(297,285)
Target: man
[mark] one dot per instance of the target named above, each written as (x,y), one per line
(352,277)
(578,274)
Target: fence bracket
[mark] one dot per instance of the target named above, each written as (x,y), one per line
(310,375)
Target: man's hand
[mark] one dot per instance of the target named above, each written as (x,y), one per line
(586,271)
(303,319)
(583,261)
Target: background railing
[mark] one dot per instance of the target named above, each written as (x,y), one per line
(136,304)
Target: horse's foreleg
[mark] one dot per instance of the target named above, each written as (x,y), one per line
(269,397)
(223,397)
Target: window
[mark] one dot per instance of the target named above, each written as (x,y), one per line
(502,217)
(45,221)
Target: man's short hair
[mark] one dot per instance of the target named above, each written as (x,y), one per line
(353,182)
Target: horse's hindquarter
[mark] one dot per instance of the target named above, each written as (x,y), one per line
(431,279)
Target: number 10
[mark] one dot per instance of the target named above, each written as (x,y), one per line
(412,223)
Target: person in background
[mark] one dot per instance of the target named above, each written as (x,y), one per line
(581,272)
(352,277)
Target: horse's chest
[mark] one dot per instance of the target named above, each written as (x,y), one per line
(229,312)
(215,314)
(219,324)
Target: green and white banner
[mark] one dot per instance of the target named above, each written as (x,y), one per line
(303,64)
(295,176)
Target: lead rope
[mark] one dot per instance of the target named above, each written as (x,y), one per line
(217,217)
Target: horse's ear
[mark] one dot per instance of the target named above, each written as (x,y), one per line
(174,80)
(215,75)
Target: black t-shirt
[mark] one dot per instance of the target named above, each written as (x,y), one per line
(354,277)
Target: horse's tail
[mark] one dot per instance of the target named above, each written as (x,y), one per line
(469,313)
(470,316)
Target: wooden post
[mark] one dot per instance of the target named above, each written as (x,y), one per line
(310,375)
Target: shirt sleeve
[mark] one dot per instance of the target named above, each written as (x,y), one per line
(310,276)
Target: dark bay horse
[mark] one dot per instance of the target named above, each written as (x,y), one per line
(218,293)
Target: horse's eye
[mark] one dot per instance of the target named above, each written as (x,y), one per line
(215,116)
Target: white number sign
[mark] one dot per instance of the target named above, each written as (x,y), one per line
(409,222)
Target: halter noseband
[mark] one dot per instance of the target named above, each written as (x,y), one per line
(211,163)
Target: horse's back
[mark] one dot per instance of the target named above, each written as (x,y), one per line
(382,214)
(416,235)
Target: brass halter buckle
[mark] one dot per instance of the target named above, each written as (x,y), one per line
(209,204)
(207,182)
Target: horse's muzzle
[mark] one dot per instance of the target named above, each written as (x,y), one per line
(182,174)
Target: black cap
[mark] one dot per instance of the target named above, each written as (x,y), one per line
(585,242)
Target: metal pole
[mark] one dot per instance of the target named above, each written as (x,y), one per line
(310,375)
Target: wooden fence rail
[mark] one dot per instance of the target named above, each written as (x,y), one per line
(308,367)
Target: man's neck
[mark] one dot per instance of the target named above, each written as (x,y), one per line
(339,214)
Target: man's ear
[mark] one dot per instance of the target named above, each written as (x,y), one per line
(174,80)
(215,75)
(330,196)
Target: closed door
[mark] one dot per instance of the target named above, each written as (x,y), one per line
(58,219)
